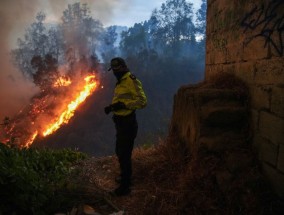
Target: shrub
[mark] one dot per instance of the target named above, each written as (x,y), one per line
(29,178)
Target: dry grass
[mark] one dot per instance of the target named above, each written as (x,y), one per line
(164,182)
(167,181)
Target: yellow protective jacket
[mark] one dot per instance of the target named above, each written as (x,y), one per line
(129,91)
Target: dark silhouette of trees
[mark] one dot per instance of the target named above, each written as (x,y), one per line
(46,71)
(135,39)
(81,32)
(35,43)
(201,18)
(107,48)
(173,24)
(74,43)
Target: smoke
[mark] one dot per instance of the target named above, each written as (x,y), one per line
(15,91)
(15,17)
(102,10)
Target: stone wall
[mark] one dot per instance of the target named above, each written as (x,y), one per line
(246,38)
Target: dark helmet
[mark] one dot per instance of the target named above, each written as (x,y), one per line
(116,63)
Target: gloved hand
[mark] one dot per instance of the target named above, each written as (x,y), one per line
(118,106)
(108,109)
(114,107)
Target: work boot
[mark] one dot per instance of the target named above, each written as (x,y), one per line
(122,191)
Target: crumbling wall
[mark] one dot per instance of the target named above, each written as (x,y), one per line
(210,117)
(246,38)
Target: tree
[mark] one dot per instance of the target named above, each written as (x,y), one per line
(201,27)
(38,37)
(134,39)
(201,18)
(46,71)
(35,43)
(107,47)
(77,37)
(81,32)
(55,42)
(172,23)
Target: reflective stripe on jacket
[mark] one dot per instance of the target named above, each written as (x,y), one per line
(129,91)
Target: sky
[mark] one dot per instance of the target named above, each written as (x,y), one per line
(109,12)
(115,12)
(17,15)
(138,11)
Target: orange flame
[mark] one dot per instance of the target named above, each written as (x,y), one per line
(31,140)
(62,81)
(15,130)
(66,115)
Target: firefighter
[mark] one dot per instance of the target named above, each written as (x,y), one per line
(128,96)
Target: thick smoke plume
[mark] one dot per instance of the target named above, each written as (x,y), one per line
(15,91)
(15,17)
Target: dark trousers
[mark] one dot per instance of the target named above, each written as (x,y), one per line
(126,132)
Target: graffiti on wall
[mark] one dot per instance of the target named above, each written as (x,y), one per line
(266,21)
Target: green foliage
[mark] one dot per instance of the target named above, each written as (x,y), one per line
(107,49)
(135,39)
(173,23)
(30,178)
(201,18)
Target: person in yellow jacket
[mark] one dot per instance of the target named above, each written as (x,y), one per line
(128,96)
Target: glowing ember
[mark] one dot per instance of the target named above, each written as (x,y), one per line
(62,81)
(66,115)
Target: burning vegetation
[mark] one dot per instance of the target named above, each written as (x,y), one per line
(62,66)
(49,110)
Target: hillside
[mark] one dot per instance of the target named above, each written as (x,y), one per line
(165,184)
(206,165)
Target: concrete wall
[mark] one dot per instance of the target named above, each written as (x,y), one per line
(246,37)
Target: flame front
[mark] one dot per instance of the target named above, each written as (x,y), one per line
(23,129)
(66,115)
(31,140)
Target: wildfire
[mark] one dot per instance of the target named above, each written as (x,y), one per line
(23,129)
(66,115)
(31,140)
(62,81)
